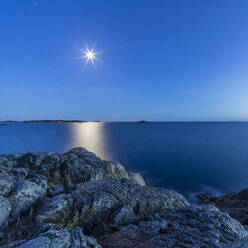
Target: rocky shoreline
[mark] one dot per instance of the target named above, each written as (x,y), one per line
(77,200)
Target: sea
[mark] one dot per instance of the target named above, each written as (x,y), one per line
(189,157)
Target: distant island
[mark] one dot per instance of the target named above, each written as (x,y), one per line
(56,121)
(42,121)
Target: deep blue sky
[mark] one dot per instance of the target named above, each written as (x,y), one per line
(161,60)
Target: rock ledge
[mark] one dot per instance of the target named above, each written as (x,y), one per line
(77,200)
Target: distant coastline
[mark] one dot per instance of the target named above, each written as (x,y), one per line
(140,121)
(43,121)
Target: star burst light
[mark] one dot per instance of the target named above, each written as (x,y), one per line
(89,55)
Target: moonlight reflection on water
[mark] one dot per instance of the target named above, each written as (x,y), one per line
(90,135)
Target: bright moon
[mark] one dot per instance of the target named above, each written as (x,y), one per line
(89,55)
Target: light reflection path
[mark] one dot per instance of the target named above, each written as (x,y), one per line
(90,135)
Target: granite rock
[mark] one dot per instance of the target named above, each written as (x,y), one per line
(235,204)
(188,227)
(76,199)
(64,238)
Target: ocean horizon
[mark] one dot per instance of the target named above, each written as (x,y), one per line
(190,157)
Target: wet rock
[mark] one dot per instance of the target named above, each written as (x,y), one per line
(189,227)
(235,204)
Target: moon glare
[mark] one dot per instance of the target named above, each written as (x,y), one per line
(89,55)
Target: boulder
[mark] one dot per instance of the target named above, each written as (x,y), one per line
(6,183)
(107,203)
(188,227)
(235,204)
(5,209)
(137,178)
(56,200)
(64,238)
(38,189)
(54,212)
(101,205)
(26,193)
(241,243)
(67,169)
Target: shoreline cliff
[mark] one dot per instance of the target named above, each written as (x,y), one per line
(77,200)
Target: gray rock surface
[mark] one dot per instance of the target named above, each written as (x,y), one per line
(192,227)
(5,209)
(76,166)
(236,204)
(25,194)
(103,205)
(6,183)
(38,190)
(62,200)
(110,203)
(242,243)
(64,238)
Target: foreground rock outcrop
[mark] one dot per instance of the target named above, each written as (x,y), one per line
(75,200)
(236,204)
(64,238)
(191,226)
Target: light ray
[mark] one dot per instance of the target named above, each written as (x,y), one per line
(89,55)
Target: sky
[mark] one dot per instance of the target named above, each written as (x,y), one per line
(160,60)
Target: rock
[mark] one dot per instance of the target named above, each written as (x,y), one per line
(137,178)
(101,205)
(19,173)
(242,243)
(55,200)
(25,194)
(235,204)
(5,187)
(6,183)
(82,166)
(188,227)
(56,210)
(76,166)
(40,188)
(64,238)
(54,190)
(107,203)
(5,209)
(116,170)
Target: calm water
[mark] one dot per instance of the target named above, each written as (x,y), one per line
(189,157)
